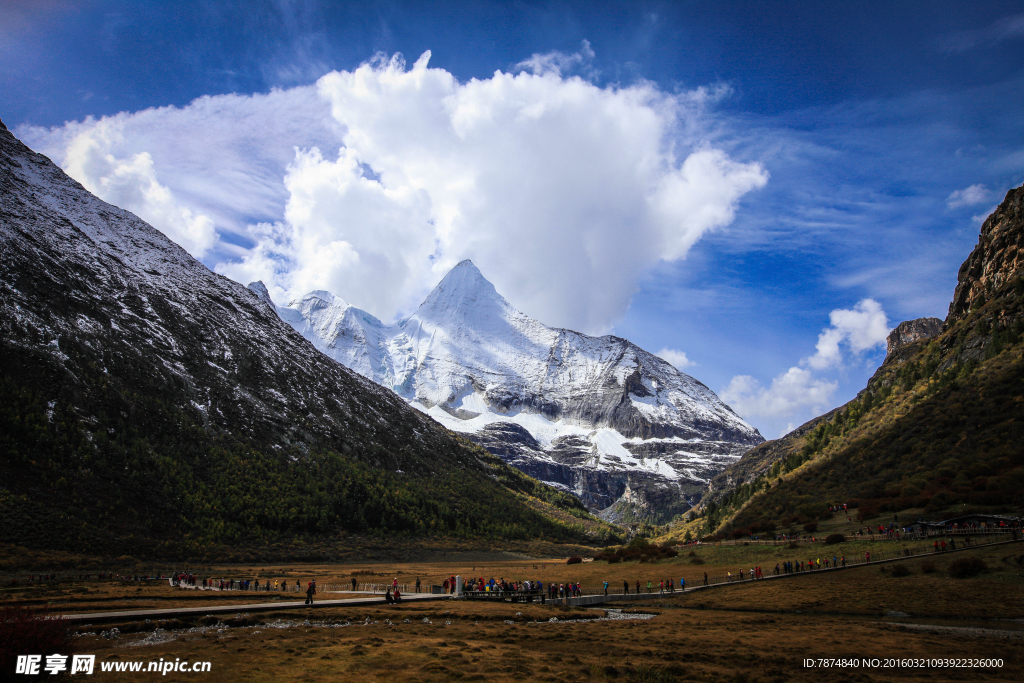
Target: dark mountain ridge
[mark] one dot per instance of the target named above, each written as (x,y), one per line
(152,406)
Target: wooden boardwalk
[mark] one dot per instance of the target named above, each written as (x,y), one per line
(378,599)
(174,612)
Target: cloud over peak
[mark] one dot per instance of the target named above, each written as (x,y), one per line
(549,184)
(376,181)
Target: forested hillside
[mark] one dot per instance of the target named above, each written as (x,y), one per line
(940,424)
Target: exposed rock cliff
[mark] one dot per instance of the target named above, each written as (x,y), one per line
(910,331)
(995,260)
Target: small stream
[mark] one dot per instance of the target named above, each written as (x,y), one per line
(160,635)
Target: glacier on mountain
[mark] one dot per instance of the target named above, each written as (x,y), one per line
(596,415)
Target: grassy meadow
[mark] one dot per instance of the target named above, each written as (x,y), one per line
(749,631)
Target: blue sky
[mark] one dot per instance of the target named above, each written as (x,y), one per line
(758,190)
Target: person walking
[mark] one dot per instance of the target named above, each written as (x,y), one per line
(417,584)
(705,578)
(625,587)
(606,589)
(310,591)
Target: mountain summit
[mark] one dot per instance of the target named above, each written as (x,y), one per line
(618,426)
(463,292)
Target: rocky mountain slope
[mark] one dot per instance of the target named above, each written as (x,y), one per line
(598,416)
(148,398)
(939,424)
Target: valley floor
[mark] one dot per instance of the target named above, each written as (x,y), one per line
(750,631)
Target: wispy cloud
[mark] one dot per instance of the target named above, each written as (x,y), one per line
(1007,28)
(559,63)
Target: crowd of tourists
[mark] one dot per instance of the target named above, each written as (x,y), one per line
(499,585)
(797,566)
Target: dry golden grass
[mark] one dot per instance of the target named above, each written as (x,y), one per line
(477,644)
(755,631)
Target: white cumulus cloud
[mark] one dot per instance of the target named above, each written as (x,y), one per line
(975,194)
(676,358)
(862,328)
(376,181)
(802,392)
(791,392)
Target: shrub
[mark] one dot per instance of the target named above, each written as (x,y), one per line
(867,511)
(696,560)
(25,631)
(928,568)
(793,545)
(834,539)
(811,527)
(642,552)
(900,570)
(575,559)
(966,567)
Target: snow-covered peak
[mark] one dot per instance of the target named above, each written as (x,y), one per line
(463,293)
(472,361)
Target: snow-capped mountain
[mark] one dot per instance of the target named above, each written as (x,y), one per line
(596,415)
